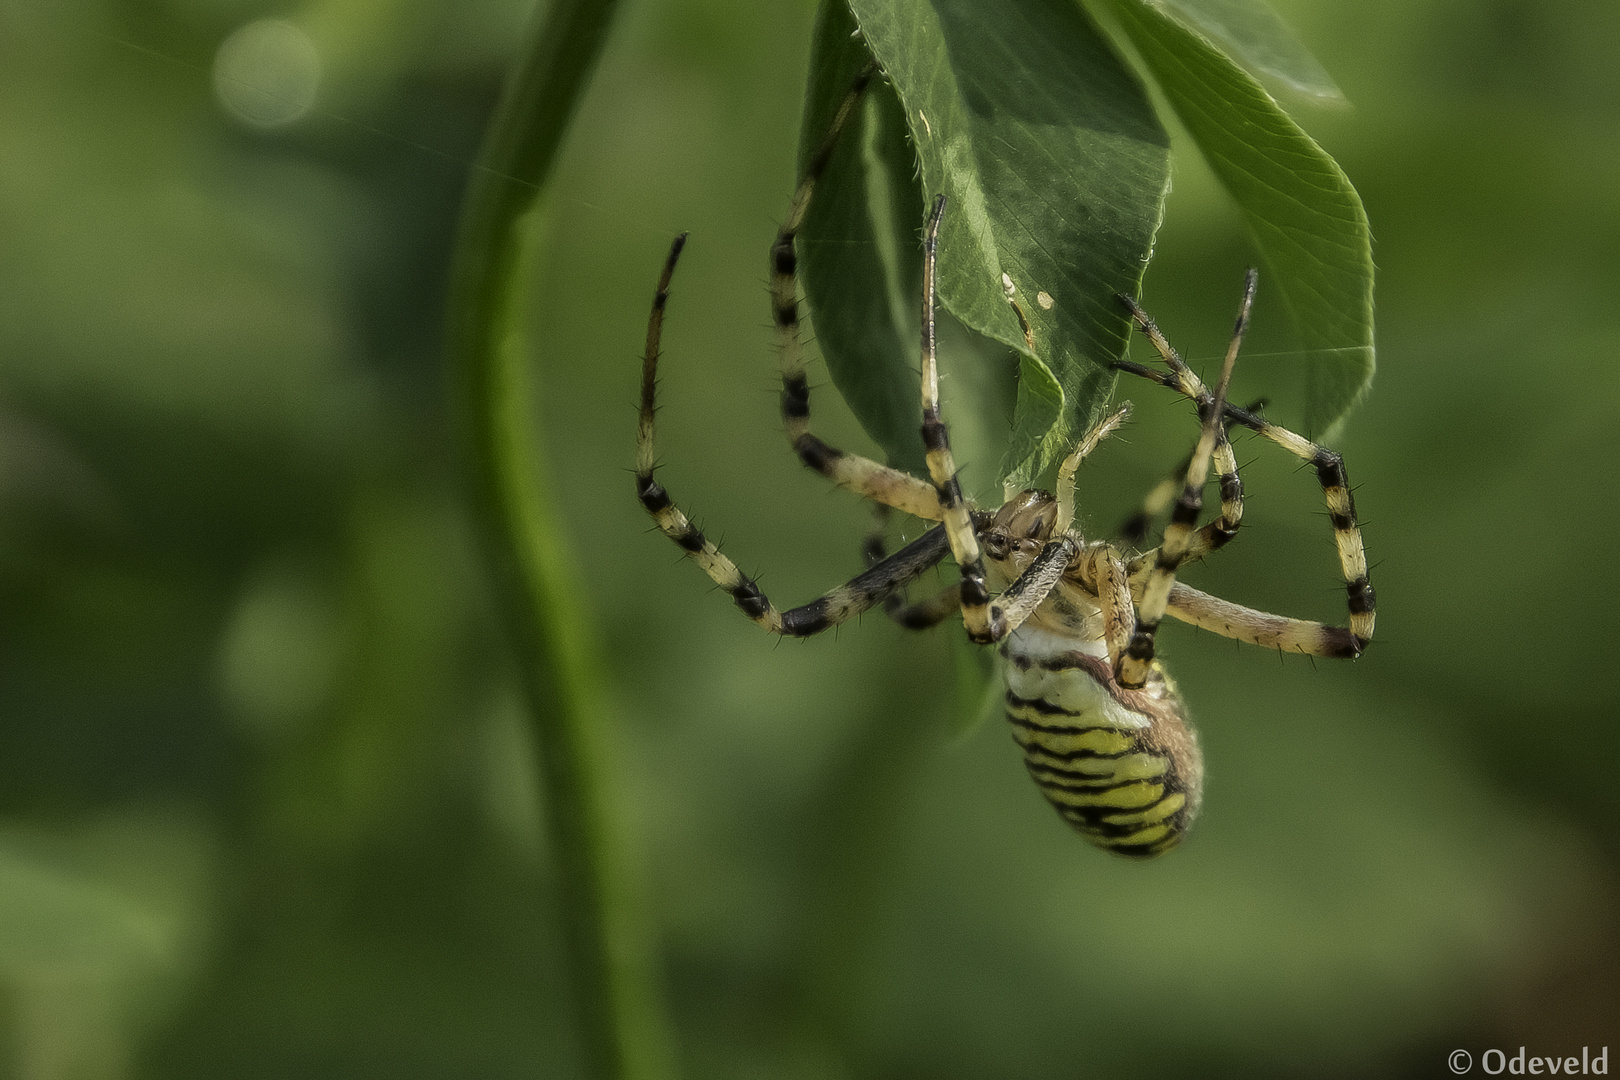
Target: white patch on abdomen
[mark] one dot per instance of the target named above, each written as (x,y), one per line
(1030,654)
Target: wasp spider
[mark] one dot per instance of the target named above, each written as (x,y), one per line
(1103,730)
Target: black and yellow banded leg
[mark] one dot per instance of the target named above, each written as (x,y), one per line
(1032,587)
(1219,532)
(1240,623)
(1179,533)
(861,475)
(1060,553)
(984,623)
(1341,504)
(1328,465)
(1134,529)
(924,614)
(1016,604)
(831,609)
(1210,537)
(837,606)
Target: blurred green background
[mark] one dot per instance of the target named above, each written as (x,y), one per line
(266,801)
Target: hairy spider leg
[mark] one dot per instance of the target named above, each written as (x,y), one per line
(1134,529)
(1219,532)
(1328,465)
(1173,551)
(861,475)
(837,606)
(986,622)
(1255,627)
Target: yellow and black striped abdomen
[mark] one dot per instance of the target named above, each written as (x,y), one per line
(1121,766)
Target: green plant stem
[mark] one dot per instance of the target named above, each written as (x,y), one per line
(624,1030)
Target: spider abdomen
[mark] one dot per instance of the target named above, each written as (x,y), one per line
(1120,766)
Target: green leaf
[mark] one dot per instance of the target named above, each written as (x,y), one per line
(1253,35)
(1306,217)
(1056,170)
(861,244)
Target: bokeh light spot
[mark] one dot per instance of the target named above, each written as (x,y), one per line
(266,73)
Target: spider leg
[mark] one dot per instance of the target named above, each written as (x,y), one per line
(1258,627)
(1013,606)
(984,623)
(1066,471)
(861,475)
(1219,532)
(1134,529)
(873,549)
(1106,571)
(928,613)
(1031,588)
(1178,535)
(835,607)
(922,615)
(1329,466)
